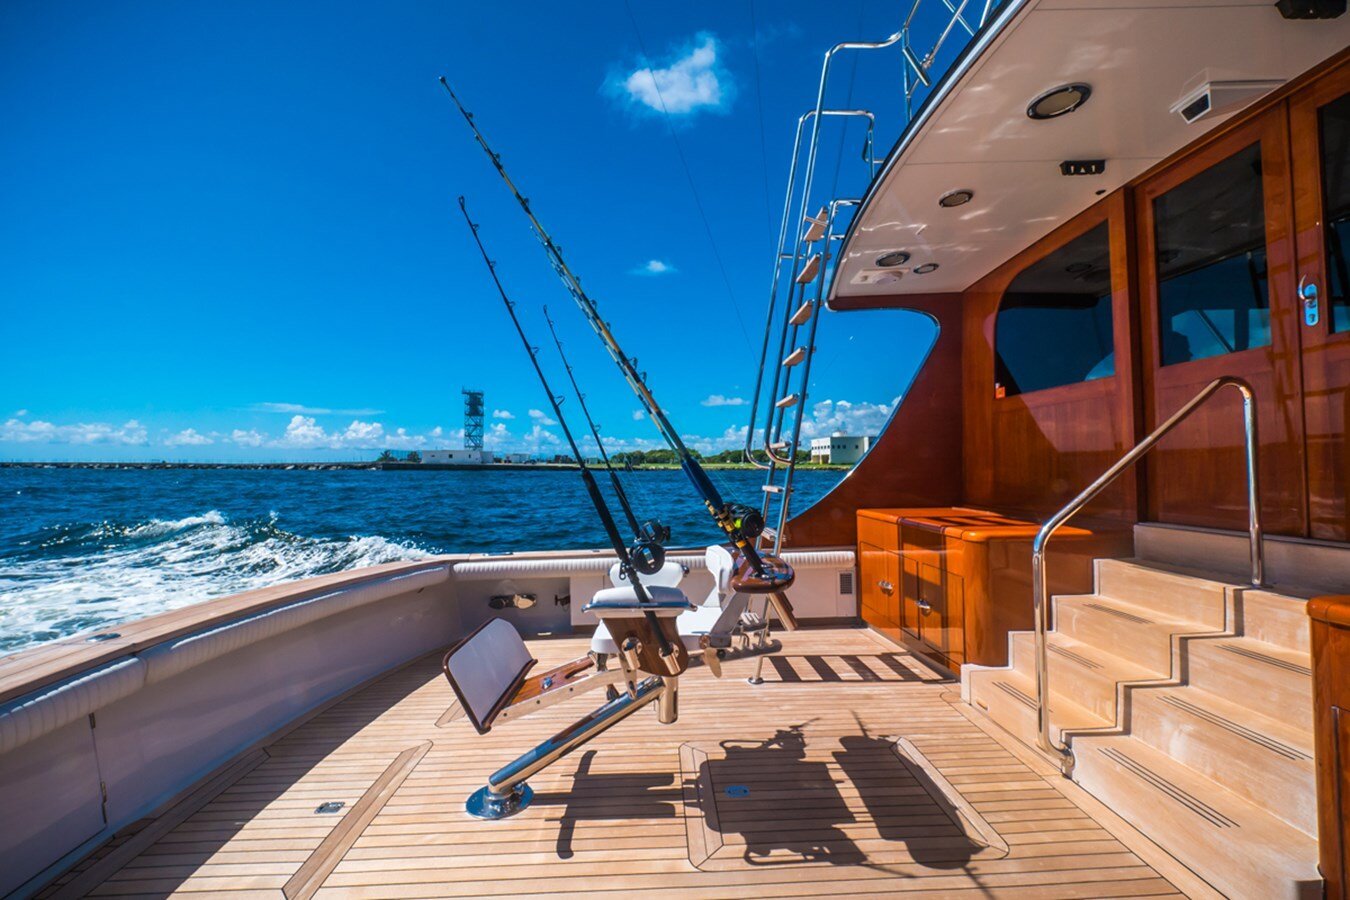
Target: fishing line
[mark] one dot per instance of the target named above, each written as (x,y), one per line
(645,558)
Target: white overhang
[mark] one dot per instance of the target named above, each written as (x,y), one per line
(1140,58)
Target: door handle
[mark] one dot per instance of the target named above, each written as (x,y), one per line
(1307,293)
(886,586)
(924,606)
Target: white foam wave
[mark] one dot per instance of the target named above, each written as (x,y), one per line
(194,559)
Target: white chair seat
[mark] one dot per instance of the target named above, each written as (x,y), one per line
(693,626)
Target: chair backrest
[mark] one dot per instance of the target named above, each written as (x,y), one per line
(486,669)
(669,575)
(721,565)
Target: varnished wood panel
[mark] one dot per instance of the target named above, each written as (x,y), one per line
(1032,452)
(1196,475)
(1330,635)
(1326,355)
(917,460)
(830,810)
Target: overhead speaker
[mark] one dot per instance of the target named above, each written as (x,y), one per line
(1311,9)
(1217,97)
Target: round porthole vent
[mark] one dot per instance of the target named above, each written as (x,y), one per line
(893,259)
(1059,101)
(956,198)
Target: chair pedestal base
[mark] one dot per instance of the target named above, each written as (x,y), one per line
(484,804)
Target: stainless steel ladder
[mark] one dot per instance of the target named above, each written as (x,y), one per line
(808,247)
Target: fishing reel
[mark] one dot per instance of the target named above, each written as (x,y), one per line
(648,553)
(746,519)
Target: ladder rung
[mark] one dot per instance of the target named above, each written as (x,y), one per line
(773,488)
(803,313)
(778,445)
(788,401)
(795,357)
(769,534)
(810,270)
(817,229)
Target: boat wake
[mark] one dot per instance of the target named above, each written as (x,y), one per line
(65,579)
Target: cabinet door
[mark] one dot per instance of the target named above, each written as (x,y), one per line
(892,590)
(909,612)
(872,575)
(942,598)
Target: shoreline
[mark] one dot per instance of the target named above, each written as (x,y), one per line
(377,466)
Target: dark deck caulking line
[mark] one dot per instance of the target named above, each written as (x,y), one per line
(306,882)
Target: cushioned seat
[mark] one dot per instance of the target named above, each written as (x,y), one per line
(693,626)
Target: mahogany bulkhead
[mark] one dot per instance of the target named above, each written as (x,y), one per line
(1053,365)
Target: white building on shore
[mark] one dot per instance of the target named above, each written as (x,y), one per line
(840,448)
(458,457)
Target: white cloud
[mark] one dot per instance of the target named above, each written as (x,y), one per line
(829,416)
(502,414)
(20,413)
(655,267)
(132,433)
(719,400)
(189,437)
(248,438)
(364,434)
(639,415)
(541,417)
(688,83)
(301,409)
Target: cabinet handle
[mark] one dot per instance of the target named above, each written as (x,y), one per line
(886,586)
(924,605)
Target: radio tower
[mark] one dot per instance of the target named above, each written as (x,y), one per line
(473,419)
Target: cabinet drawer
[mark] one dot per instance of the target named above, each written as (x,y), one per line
(885,535)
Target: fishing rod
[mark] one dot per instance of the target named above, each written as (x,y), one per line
(741,524)
(645,557)
(651,530)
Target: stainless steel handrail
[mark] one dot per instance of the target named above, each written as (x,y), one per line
(1041,602)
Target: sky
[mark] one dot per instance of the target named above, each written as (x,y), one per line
(230,229)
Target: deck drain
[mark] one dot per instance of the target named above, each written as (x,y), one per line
(328,808)
(737,790)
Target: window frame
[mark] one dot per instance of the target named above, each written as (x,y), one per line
(1112,210)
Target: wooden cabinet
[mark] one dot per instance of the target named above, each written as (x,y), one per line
(951,583)
(1331,728)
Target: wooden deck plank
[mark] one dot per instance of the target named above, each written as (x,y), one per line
(823,804)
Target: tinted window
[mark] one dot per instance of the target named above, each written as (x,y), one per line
(1211,242)
(1336,182)
(1054,323)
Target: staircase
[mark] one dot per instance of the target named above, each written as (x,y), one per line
(1187,700)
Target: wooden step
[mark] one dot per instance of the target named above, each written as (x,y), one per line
(1274,618)
(1265,761)
(1009,698)
(1272,680)
(1136,633)
(1084,674)
(1239,848)
(1173,592)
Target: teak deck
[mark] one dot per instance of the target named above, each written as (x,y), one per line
(851,770)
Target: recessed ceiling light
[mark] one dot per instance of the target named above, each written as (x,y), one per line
(956,198)
(1058,101)
(893,259)
(925,268)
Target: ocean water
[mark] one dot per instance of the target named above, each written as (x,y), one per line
(85,548)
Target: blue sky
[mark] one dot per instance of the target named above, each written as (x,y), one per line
(230,229)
